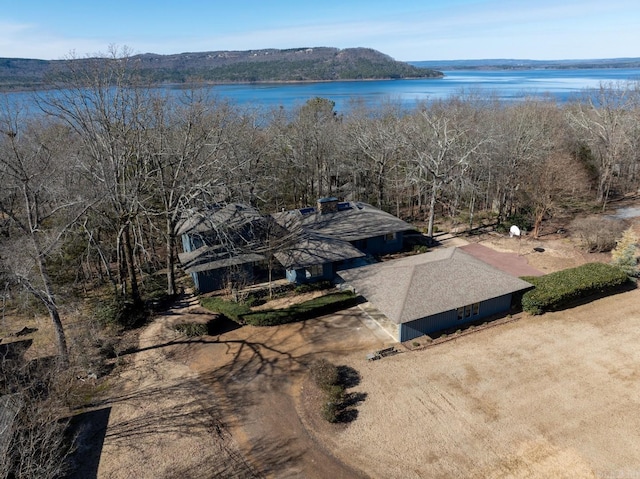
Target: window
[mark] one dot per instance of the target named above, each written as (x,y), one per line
(468,311)
(314,271)
(389,237)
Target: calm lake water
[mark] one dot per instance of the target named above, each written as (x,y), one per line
(563,85)
(508,85)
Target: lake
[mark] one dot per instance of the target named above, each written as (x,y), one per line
(508,85)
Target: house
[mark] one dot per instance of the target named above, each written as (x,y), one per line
(235,243)
(314,257)
(335,235)
(434,291)
(223,244)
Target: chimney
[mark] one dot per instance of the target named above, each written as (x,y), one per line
(327,205)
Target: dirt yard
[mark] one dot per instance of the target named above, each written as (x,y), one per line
(550,396)
(539,397)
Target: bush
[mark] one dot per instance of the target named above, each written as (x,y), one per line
(309,287)
(121,313)
(331,411)
(337,406)
(624,254)
(597,234)
(556,290)
(230,309)
(191,330)
(522,220)
(420,248)
(302,311)
(35,443)
(324,373)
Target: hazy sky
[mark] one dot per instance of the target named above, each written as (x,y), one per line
(405,29)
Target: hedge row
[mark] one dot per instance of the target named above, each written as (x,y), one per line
(230,309)
(555,290)
(298,312)
(241,312)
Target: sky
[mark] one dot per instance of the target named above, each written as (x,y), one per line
(407,30)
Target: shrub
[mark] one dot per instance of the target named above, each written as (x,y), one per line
(191,330)
(597,234)
(229,309)
(324,373)
(624,254)
(302,311)
(337,405)
(121,313)
(318,286)
(556,290)
(331,411)
(420,248)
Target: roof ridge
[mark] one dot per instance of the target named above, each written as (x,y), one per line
(406,292)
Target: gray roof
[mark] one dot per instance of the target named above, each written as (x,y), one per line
(207,258)
(354,221)
(229,217)
(417,286)
(312,249)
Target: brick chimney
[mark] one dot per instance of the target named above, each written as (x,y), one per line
(327,205)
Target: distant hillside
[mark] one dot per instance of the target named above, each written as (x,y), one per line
(514,64)
(300,64)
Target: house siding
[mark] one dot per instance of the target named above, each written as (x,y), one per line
(299,275)
(380,245)
(449,319)
(186,244)
(216,279)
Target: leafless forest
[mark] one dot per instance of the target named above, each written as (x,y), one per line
(96,179)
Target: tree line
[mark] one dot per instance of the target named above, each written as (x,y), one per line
(96,182)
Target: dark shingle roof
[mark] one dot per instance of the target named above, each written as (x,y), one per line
(207,258)
(229,217)
(353,221)
(417,286)
(313,249)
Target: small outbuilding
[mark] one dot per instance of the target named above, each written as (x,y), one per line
(434,291)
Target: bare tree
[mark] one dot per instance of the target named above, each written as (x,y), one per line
(604,121)
(377,136)
(102,102)
(38,204)
(189,143)
(443,141)
(34,440)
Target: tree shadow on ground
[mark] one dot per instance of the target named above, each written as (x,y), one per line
(348,377)
(348,412)
(221,325)
(89,429)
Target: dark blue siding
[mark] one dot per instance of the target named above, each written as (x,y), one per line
(380,244)
(299,276)
(449,319)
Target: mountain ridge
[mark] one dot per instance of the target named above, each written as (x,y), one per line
(229,66)
(525,64)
